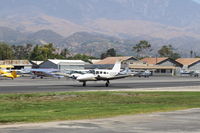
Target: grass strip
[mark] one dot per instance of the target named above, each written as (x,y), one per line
(42,107)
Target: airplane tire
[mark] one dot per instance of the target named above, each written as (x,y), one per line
(84,84)
(107,83)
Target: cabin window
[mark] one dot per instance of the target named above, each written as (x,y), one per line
(101,72)
(104,72)
(97,72)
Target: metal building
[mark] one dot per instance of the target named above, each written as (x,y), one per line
(63,64)
(18,64)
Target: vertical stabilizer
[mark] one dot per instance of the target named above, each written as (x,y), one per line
(14,74)
(117,67)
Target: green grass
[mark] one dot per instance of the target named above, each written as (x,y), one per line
(83,105)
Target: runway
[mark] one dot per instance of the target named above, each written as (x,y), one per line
(27,85)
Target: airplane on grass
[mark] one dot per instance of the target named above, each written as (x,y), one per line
(103,75)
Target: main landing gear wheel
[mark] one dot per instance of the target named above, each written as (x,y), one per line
(84,84)
(107,83)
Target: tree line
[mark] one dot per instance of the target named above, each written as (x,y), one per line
(48,51)
(37,52)
(144,49)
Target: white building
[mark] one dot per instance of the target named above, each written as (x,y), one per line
(36,64)
(63,64)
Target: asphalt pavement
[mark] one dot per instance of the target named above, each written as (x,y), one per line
(27,85)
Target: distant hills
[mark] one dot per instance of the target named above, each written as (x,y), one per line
(81,42)
(92,26)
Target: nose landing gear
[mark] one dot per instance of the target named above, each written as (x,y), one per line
(84,84)
(107,83)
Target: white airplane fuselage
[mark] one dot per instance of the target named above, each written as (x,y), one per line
(97,73)
(102,74)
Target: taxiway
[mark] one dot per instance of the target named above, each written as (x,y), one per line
(27,85)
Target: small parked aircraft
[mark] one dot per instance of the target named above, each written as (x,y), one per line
(11,75)
(7,73)
(104,75)
(46,73)
(145,74)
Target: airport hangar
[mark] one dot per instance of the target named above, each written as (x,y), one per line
(63,64)
(17,64)
(36,64)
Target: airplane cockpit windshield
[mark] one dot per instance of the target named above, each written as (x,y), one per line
(80,72)
(92,71)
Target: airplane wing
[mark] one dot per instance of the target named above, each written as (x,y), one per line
(113,78)
(47,73)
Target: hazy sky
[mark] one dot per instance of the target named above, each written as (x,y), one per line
(197,1)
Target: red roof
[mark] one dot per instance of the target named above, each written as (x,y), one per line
(112,60)
(154,61)
(188,61)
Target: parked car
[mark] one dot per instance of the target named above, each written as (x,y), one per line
(145,74)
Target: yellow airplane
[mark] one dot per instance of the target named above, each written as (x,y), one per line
(7,74)
(11,75)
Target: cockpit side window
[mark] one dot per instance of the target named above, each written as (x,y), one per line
(91,71)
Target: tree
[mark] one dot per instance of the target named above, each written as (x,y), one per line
(47,51)
(142,48)
(81,57)
(109,53)
(43,52)
(6,51)
(191,53)
(22,52)
(168,51)
(65,52)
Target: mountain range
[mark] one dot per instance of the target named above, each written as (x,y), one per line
(88,26)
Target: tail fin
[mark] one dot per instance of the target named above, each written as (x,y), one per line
(14,74)
(117,67)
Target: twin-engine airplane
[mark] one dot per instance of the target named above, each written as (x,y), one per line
(104,75)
